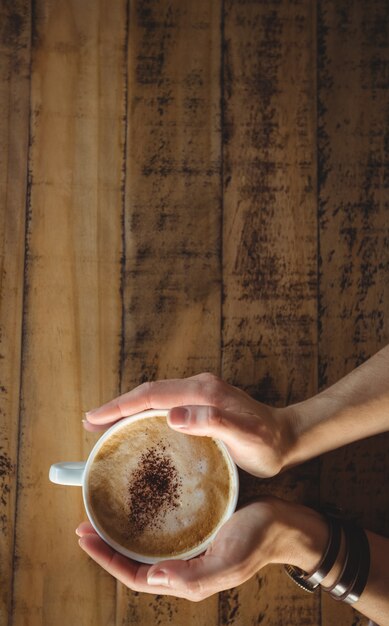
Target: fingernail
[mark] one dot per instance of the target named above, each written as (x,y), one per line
(158,578)
(84,421)
(81,542)
(77,532)
(179,416)
(96,413)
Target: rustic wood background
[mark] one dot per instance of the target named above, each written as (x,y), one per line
(186,185)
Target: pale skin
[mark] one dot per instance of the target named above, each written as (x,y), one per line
(263,441)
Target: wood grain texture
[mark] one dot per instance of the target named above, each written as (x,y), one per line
(72,318)
(15,29)
(205,188)
(172,286)
(353,92)
(269,250)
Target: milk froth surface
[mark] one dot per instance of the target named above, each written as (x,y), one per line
(156,491)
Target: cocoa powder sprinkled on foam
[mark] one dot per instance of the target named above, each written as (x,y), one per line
(154,489)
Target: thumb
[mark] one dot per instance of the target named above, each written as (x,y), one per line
(211,421)
(194,579)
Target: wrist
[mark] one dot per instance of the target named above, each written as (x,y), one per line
(300,535)
(291,425)
(311,428)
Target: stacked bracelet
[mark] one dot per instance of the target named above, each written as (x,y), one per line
(353,577)
(355,570)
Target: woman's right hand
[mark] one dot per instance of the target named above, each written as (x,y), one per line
(267,531)
(257,436)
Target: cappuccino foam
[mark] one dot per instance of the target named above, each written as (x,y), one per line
(158,492)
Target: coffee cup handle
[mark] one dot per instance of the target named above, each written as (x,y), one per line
(67,473)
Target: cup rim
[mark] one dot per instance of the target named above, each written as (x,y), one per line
(189,554)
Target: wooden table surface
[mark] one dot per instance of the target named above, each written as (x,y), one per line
(186,185)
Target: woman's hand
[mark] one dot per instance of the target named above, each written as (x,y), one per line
(257,436)
(261,439)
(260,533)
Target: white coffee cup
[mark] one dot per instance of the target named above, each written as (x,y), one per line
(76,474)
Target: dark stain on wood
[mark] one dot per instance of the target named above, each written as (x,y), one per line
(14,24)
(12,27)
(7,470)
(164,610)
(229,607)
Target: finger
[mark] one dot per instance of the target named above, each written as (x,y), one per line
(195,579)
(128,572)
(94,427)
(116,564)
(161,394)
(211,421)
(85,528)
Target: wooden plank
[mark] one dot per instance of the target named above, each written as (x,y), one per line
(173,209)
(269,250)
(15,29)
(353,90)
(72,320)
